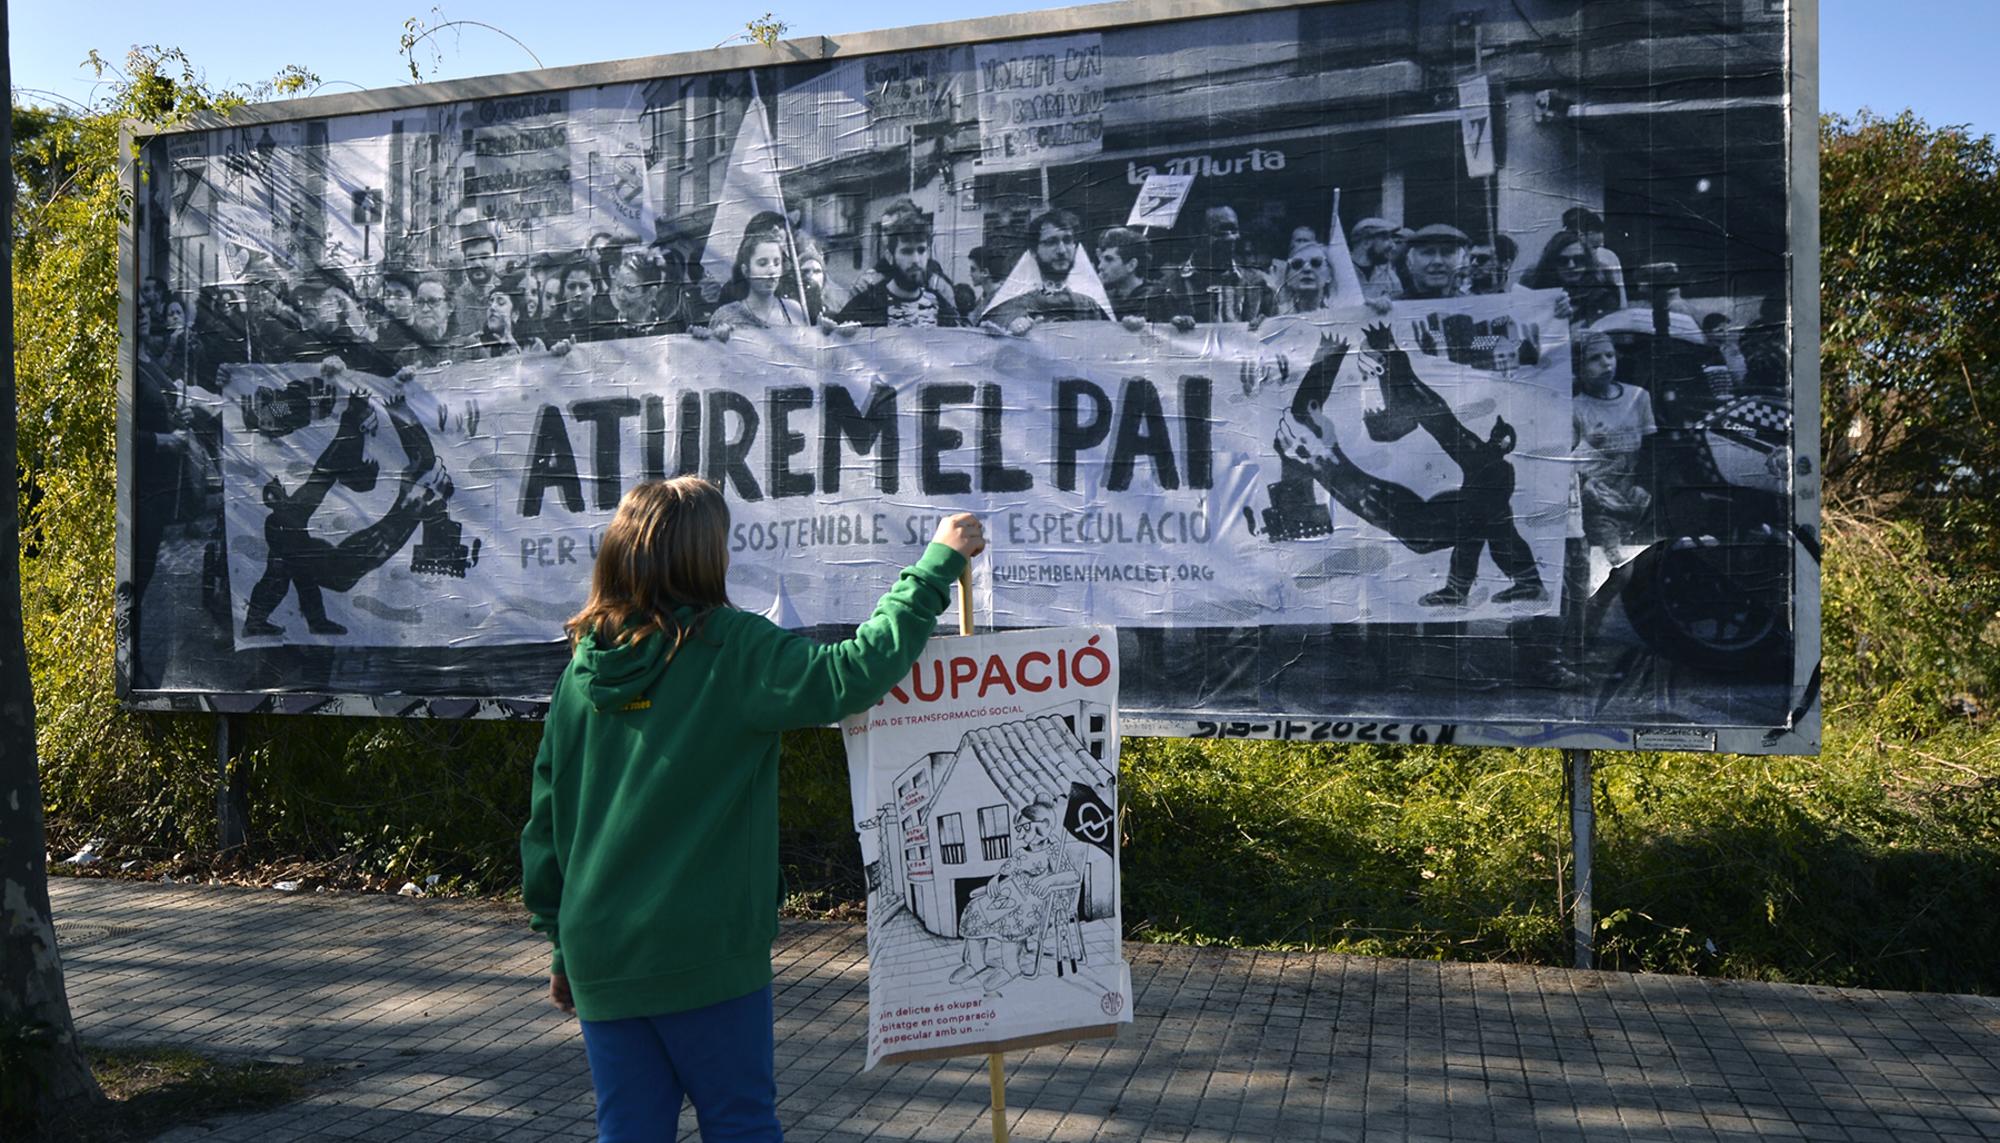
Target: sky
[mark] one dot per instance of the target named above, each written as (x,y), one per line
(1933,56)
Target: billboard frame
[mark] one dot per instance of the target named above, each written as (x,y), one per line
(1800,735)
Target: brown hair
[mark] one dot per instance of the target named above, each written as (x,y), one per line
(667,547)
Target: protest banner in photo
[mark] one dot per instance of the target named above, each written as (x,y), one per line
(1414,398)
(985,793)
(462,504)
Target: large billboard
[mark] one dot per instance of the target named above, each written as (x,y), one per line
(1387,370)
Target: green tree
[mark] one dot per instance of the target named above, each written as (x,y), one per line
(65,175)
(1910,330)
(42,1069)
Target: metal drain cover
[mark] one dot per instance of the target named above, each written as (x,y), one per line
(76,934)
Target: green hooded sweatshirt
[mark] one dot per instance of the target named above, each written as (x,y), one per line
(650,857)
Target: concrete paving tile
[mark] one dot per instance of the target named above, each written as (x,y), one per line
(1227,1044)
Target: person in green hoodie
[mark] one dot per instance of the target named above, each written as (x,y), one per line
(650,857)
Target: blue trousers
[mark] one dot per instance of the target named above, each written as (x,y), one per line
(719,1056)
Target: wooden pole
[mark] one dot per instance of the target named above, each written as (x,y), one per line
(965,601)
(996,1075)
(996,1062)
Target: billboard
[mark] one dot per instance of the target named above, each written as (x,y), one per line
(1382,371)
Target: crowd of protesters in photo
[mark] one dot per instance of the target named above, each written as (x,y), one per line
(487,306)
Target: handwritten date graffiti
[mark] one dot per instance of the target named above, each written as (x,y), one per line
(1290,730)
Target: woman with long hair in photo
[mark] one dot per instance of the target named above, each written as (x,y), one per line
(650,857)
(758,289)
(1567,264)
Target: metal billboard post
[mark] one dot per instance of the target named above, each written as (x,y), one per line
(232,801)
(1582,827)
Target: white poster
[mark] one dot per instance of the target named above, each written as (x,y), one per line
(986,802)
(608,166)
(1160,200)
(1475,126)
(1040,101)
(518,169)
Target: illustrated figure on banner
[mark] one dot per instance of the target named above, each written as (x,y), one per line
(1476,516)
(1035,889)
(296,558)
(1039,794)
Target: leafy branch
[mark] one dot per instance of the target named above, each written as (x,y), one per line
(418,31)
(766,30)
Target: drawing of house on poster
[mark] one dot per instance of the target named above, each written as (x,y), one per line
(985,799)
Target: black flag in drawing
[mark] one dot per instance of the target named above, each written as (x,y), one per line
(1089,819)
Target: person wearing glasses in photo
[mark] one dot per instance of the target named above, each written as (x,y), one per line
(637,281)
(1308,281)
(1566,264)
(336,325)
(1493,265)
(429,343)
(1053,298)
(1589,227)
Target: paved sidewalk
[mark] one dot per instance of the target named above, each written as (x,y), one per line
(438,1004)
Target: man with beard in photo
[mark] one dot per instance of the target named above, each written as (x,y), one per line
(336,325)
(1053,242)
(902,295)
(479,251)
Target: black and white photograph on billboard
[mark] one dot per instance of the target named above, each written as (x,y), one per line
(1379,369)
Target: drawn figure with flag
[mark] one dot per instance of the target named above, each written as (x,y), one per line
(298,559)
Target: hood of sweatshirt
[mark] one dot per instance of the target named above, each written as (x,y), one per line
(617,677)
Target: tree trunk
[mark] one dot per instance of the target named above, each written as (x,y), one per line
(43,1074)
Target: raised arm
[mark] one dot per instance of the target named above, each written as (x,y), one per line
(805,683)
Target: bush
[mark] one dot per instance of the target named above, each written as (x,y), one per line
(1875,864)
